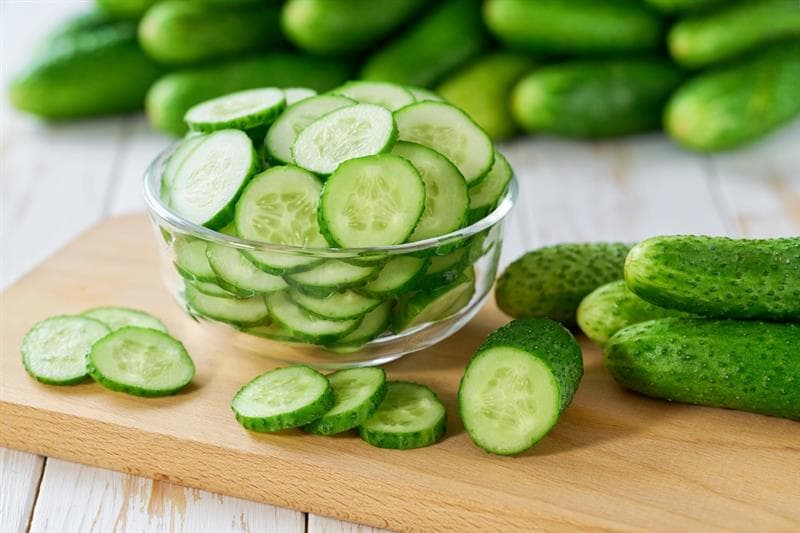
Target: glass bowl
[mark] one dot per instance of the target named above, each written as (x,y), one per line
(452,276)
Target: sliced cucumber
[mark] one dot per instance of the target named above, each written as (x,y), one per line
(191,261)
(186,147)
(358,392)
(446,197)
(428,306)
(400,275)
(292,95)
(346,133)
(371,201)
(246,312)
(466,296)
(119,317)
(422,94)
(449,131)
(331,276)
(303,326)
(484,196)
(445,269)
(212,289)
(140,361)
(342,305)
(240,110)
(283,398)
(54,350)
(272,331)
(373,324)
(410,416)
(238,274)
(387,95)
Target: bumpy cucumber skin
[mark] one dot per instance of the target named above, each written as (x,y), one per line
(718,276)
(749,366)
(595,98)
(728,106)
(339,423)
(586,27)
(442,41)
(684,6)
(551,281)
(732,30)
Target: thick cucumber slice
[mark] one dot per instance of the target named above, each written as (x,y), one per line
(371,201)
(240,110)
(343,305)
(283,398)
(446,197)
(358,392)
(187,146)
(246,312)
(445,269)
(212,289)
(353,131)
(119,317)
(373,324)
(449,131)
(54,350)
(304,326)
(484,196)
(237,273)
(400,275)
(140,361)
(410,416)
(428,306)
(422,94)
(191,261)
(331,276)
(388,95)
(284,131)
(292,95)
(210,179)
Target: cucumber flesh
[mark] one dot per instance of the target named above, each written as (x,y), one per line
(271,331)
(240,110)
(119,317)
(358,392)
(239,273)
(387,95)
(398,276)
(444,269)
(246,312)
(191,261)
(484,196)
(422,94)
(343,305)
(428,306)
(211,289)
(292,95)
(373,324)
(331,276)
(175,161)
(303,326)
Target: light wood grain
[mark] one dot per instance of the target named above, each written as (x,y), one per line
(19,481)
(321,524)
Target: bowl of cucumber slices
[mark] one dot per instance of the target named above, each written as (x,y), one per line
(341,229)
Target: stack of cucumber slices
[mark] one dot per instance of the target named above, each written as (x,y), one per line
(367,165)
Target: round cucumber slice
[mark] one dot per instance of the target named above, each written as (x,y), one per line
(428,306)
(303,326)
(246,312)
(358,392)
(384,94)
(292,95)
(444,269)
(240,110)
(119,317)
(398,276)
(422,94)
(331,276)
(342,305)
(235,271)
(211,289)
(191,261)
(373,324)
(186,147)
(274,332)
(484,196)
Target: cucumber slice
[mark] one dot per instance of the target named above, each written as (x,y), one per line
(283,398)
(446,197)
(343,305)
(240,110)
(304,326)
(272,332)
(422,94)
(465,298)
(410,416)
(428,306)
(175,161)
(292,95)
(235,271)
(54,350)
(449,131)
(119,317)
(246,312)
(212,289)
(400,275)
(371,201)
(445,269)
(387,95)
(358,392)
(484,196)
(140,361)
(331,276)
(191,261)
(353,131)
(210,179)
(373,324)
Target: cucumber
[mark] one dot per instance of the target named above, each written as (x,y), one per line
(551,281)
(341,305)
(422,94)
(346,133)
(575,27)
(191,261)
(429,306)
(213,289)
(303,326)
(387,95)
(730,31)
(54,350)
(750,366)
(125,8)
(398,276)
(140,361)
(466,296)
(283,398)
(372,325)
(371,201)
(241,110)
(358,392)
(293,95)
(518,384)
(447,37)
(444,269)
(331,276)
(410,416)
(184,149)
(613,306)
(483,87)
(595,98)
(271,331)
(243,312)
(342,26)
(484,197)
(237,274)
(73,26)
(119,317)
(685,6)
(731,105)
(718,276)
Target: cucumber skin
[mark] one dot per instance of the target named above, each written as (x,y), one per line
(728,106)
(581,27)
(445,39)
(551,281)
(595,98)
(125,8)
(684,6)
(718,276)
(331,425)
(749,366)
(722,34)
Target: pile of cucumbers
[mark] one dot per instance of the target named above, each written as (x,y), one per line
(714,73)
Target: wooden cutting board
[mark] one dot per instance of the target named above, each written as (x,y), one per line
(616,460)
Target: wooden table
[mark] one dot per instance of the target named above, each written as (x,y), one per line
(58,180)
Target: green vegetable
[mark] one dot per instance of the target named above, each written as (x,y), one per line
(125,8)
(79,24)
(751,366)
(359,392)
(685,6)
(119,317)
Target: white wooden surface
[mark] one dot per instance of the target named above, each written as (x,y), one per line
(57,180)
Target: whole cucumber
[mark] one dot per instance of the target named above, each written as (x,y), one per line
(483,88)
(125,8)
(171,96)
(718,276)
(182,32)
(342,26)
(685,6)
(588,27)
(722,34)
(595,98)
(442,41)
(551,281)
(750,366)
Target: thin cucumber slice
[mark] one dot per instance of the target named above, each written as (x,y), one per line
(119,317)
(428,306)
(410,416)
(274,332)
(283,398)
(186,147)
(465,298)
(246,312)
(343,305)
(210,179)
(279,264)
(240,110)
(446,196)
(373,324)
(346,133)
(191,261)
(284,131)
(235,271)
(421,94)
(384,94)
(358,392)
(54,350)
(451,132)
(212,289)
(304,326)
(292,95)
(484,196)
(445,269)
(331,276)
(140,361)
(371,201)
(400,275)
